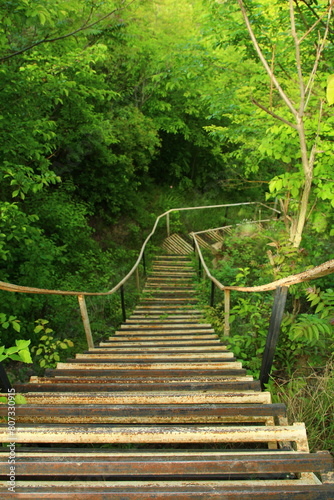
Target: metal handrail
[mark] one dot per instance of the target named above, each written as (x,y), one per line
(82,294)
(322,270)
(316,272)
(280,286)
(25,289)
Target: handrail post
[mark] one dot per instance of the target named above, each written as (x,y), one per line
(144,264)
(212,298)
(137,280)
(85,319)
(199,267)
(123,303)
(168,225)
(227,301)
(4,381)
(273,333)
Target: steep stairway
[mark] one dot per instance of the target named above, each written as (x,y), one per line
(161,410)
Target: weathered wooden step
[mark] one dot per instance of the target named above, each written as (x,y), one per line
(97,462)
(85,433)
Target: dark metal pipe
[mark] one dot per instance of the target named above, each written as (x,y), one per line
(4,381)
(273,333)
(123,303)
(144,264)
(212,299)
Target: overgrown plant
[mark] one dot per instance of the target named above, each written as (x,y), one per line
(311,400)
(47,351)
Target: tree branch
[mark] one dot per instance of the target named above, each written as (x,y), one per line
(84,27)
(271,113)
(264,61)
(298,60)
(320,49)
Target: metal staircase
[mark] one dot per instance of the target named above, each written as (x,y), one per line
(161,410)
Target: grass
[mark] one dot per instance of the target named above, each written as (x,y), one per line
(310,399)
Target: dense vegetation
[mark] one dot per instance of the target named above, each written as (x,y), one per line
(114,111)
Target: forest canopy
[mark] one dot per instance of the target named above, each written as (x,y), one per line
(106,104)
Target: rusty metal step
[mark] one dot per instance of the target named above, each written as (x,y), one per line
(91,433)
(185,490)
(226,464)
(165,384)
(153,413)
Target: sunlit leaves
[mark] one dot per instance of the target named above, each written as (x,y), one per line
(330,90)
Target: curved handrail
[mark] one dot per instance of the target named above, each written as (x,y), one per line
(316,272)
(25,289)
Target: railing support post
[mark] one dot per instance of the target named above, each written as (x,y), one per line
(168,225)
(273,333)
(144,264)
(227,301)
(123,303)
(212,298)
(85,319)
(4,381)
(137,280)
(199,267)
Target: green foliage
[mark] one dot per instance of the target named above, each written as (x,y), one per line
(309,398)
(330,90)
(19,352)
(47,351)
